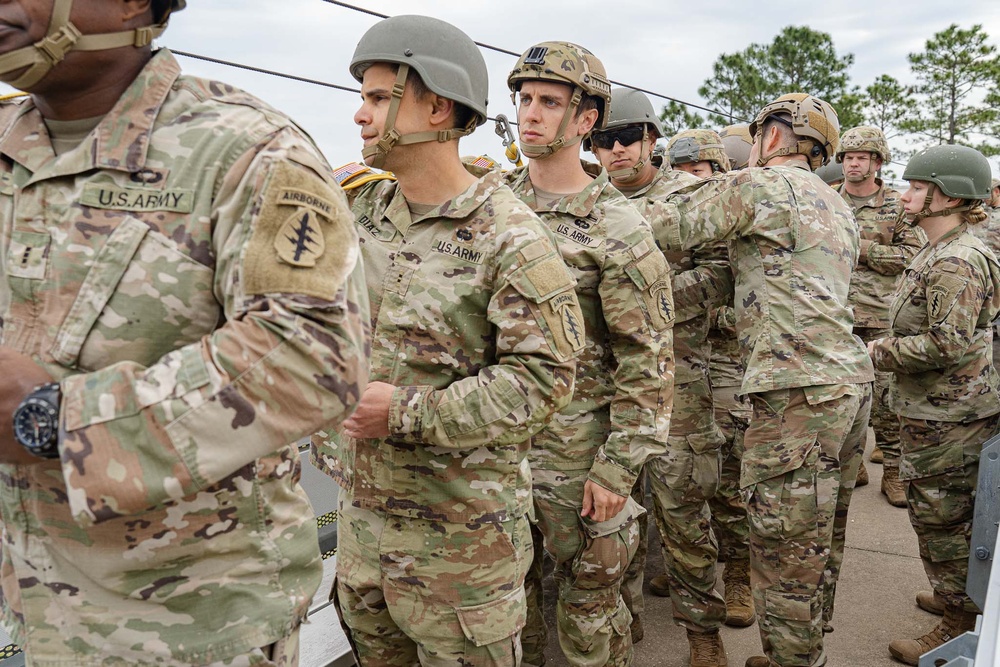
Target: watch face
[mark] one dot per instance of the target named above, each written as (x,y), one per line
(36,424)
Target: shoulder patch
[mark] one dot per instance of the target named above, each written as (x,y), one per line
(303,238)
(354,174)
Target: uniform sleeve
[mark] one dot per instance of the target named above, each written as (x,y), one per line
(955,295)
(289,358)
(708,284)
(636,300)
(714,209)
(893,258)
(539,333)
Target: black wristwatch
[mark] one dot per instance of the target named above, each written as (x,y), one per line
(36,421)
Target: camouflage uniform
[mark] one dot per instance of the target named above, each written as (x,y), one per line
(988,232)
(886,250)
(807,376)
(683,479)
(618,419)
(946,391)
(732,413)
(471,311)
(150,270)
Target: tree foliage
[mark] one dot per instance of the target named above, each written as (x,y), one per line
(676,117)
(799,59)
(952,71)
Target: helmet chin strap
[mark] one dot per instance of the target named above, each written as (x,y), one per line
(561,142)
(629,173)
(391,136)
(63,37)
(926,211)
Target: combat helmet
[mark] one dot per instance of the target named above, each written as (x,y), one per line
(811,119)
(62,37)
(864,139)
(566,63)
(698,146)
(737,142)
(630,107)
(958,171)
(449,64)
(831,172)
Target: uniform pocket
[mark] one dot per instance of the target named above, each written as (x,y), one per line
(141,298)
(930,461)
(494,621)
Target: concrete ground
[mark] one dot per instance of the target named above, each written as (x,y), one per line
(881,575)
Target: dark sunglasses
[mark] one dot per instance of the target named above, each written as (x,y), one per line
(626,136)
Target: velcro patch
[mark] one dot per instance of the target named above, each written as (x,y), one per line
(303,239)
(549,276)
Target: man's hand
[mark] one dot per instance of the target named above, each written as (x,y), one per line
(871,350)
(599,503)
(371,419)
(20,376)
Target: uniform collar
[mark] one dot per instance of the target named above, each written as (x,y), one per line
(877,200)
(462,206)
(119,142)
(577,205)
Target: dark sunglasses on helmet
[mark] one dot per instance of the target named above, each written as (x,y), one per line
(626,136)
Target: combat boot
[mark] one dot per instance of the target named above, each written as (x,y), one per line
(862,476)
(877,455)
(758,661)
(707,649)
(739,601)
(931,602)
(892,487)
(955,622)
(660,585)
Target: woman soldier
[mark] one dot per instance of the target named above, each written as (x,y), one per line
(944,388)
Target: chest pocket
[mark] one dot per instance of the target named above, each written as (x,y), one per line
(140,299)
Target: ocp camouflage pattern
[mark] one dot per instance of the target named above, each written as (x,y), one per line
(886,249)
(476,322)
(143,271)
(620,413)
(941,318)
(793,265)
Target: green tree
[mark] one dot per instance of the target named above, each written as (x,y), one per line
(799,59)
(954,68)
(676,117)
(888,104)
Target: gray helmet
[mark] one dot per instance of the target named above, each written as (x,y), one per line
(447,60)
(960,171)
(831,172)
(737,141)
(449,64)
(631,107)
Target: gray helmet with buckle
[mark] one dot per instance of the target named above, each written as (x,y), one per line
(630,107)
(958,171)
(449,64)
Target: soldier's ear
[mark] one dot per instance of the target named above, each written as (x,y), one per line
(441,109)
(137,9)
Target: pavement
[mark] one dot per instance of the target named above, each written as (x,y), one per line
(875,597)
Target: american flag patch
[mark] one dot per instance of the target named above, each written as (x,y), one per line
(341,174)
(485,161)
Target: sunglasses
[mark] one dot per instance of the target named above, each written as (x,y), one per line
(626,136)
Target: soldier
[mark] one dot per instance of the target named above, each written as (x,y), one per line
(989,233)
(476,326)
(688,474)
(184,330)
(944,387)
(732,414)
(886,250)
(585,463)
(795,246)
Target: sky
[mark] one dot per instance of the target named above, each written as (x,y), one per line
(664,46)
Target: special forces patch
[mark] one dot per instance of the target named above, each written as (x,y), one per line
(303,241)
(300,241)
(570,316)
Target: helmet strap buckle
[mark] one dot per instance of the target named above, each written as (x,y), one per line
(55,46)
(144,36)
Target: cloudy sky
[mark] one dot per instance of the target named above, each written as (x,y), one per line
(664,46)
